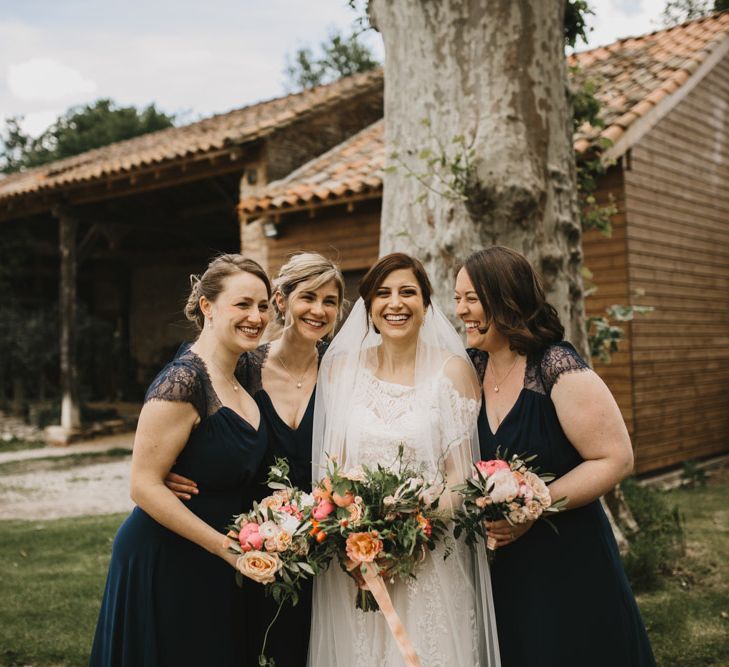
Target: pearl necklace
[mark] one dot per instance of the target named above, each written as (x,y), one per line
(300,381)
(497,382)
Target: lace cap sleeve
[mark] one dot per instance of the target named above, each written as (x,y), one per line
(479,360)
(560,359)
(178,382)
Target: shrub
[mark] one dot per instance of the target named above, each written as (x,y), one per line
(659,541)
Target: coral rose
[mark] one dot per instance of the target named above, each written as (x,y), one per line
(249,537)
(356,511)
(363,547)
(488,468)
(259,566)
(323,510)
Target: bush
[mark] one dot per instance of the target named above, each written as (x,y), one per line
(660,540)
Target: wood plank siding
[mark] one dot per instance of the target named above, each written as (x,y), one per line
(606,258)
(352,239)
(677,210)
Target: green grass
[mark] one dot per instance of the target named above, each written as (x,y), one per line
(25,466)
(51,583)
(687,615)
(16,445)
(52,577)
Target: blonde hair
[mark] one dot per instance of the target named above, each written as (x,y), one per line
(210,284)
(305,267)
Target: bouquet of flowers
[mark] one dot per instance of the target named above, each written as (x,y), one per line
(503,489)
(379,523)
(273,542)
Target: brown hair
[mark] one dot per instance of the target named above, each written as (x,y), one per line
(512,296)
(372,280)
(210,284)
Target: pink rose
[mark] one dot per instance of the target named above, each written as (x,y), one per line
(488,468)
(323,510)
(249,537)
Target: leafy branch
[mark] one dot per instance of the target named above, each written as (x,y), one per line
(451,166)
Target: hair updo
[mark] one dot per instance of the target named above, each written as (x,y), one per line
(311,268)
(210,284)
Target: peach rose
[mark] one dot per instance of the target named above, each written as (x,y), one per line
(363,547)
(534,509)
(541,490)
(259,566)
(355,512)
(343,500)
(283,541)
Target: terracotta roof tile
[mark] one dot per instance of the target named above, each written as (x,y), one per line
(638,72)
(211,134)
(633,75)
(352,168)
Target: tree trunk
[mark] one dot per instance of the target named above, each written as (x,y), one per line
(494,72)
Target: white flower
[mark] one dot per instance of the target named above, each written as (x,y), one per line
(388,501)
(268,529)
(504,487)
(356,474)
(430,494)
(288,523)
(307,500)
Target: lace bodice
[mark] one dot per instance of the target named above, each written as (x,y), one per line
(186,379)
(542,371)
(386,415)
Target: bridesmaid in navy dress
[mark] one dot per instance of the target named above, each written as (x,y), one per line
(281,375)
(170,595)
(561,599)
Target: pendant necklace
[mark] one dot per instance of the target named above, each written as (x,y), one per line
(497,382)
(300,381)
(233,384)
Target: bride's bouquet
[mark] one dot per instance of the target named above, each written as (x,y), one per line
(379,523)
(505,489)
(273,543)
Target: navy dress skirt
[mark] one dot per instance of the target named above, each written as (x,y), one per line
(561,600)
(288,640)
(167,600)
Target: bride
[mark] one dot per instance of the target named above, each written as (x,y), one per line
(395,375)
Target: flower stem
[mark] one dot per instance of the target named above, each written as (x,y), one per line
(263,661)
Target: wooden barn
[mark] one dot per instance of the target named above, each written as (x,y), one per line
(666,109)
(122,227)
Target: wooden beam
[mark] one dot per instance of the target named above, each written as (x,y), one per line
(70,407)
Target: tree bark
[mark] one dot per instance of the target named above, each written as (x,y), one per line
(493,71)
(70,409)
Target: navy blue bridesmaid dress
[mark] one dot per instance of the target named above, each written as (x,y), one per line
(561,599)
(167,600)
(288,640)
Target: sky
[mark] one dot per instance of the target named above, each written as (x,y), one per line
(189,57)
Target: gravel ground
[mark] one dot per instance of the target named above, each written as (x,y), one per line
(91,487)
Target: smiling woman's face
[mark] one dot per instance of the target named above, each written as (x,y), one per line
(239,314)
(312,312)
(397,308)
(470,310)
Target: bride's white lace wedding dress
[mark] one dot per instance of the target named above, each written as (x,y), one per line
(446,610)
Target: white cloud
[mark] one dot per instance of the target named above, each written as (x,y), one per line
(46,79)
(36,122)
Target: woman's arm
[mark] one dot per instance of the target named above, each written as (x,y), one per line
(592,422)
(163,430)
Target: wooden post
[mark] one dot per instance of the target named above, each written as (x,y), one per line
(70,409)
